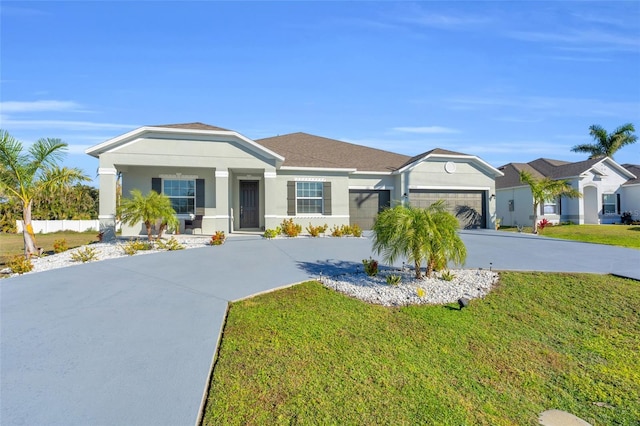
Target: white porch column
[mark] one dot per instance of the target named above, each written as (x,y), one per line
(270,205)
(224,220)
(107,213)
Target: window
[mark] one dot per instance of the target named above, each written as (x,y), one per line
(609,205)
(550,207)
(309,197)
(182,194)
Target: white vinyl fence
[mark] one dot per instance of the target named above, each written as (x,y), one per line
(49,226)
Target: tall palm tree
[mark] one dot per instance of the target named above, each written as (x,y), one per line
(149,209)
(419,235)
(29,176)
(546,189)
(606,144)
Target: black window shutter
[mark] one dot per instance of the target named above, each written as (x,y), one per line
(156,185)
(326,193)
(291,198)
(560,205)
(618,203)
(199,192)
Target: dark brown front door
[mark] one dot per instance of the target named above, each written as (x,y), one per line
(249,205)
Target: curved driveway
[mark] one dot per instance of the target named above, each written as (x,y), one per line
(130,341)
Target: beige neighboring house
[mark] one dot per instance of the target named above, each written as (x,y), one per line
(607,189)
(228,182)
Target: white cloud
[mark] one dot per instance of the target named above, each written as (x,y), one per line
(39,106)
(62,124)
(428,130)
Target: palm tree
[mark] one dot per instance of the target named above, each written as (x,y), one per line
(419,235)
(607,144)
(546,189)
(148,209)
(30,176)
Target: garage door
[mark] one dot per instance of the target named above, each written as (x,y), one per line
(364,206)
(467,206)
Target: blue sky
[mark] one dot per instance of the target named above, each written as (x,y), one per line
(506,81)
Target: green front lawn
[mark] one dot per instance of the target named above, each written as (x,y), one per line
(614,235)
(307,355)
(13,244)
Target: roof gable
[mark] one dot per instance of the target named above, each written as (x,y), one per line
(199,130)
(446,154)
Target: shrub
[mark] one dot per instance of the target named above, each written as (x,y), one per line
(447,276)
(346,230)
(272,233)
(315,231)
(291,229)
(171,244)
(393,279)
(356,230)
(337,231)
(218,238)
(133,246)
(421,292)
(370,267)
(60,245)
(626,218)
(83,255)
(20,265)
(543,224)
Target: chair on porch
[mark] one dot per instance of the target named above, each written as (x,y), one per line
(194,224)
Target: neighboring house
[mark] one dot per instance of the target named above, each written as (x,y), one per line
(233,183)
(631,192)
(605,185)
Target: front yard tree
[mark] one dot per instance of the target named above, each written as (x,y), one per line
(29,176)
(606,144)
(546,189)
(150,209)
(419,235)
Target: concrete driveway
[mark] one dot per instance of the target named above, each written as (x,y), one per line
(130,341)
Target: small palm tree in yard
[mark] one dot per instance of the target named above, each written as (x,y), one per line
(428,235)
(29,176)
(546,189)
(148,209)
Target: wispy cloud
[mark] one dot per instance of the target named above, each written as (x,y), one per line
(63,124)
(556,106)
(430,130)
(580,38)
(39,106)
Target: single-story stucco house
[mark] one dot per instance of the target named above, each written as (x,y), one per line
(232,183)
(608,189)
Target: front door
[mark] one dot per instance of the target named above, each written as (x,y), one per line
(249,205)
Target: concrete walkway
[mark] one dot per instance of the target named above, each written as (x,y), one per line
(130,341)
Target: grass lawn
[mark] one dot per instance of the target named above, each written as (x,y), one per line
(13,244)
(614,235)
(308,355)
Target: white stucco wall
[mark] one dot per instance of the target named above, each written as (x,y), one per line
(630,200)
(339,199)
(608,181)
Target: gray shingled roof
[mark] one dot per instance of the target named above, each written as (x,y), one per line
(635,169)
(305,150)
(511,176)
(192,126)
(433,151)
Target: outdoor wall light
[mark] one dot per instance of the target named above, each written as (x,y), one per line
(492,196)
